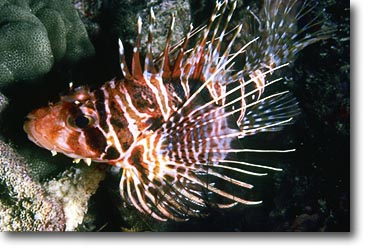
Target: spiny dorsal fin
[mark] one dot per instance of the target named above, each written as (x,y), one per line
(125,71)
(149,64)
(166,66)
(137,71)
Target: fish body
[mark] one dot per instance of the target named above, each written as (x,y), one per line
(173,123)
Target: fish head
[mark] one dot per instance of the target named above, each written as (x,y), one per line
(69,126)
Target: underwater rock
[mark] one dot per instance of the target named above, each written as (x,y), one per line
(24,205)
(35,35)
(125,15)
(74,190)
(307,223)
(3,102)
(163,10)
(57,205)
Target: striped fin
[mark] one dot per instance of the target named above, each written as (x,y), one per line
(142,96)
(206,62)
(163,172)
(166,174)
(179,169)
(281,37)
(151,79)
(277,24)
(270,114)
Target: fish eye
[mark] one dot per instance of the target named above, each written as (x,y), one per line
(81,121)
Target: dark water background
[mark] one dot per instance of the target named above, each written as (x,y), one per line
(313,191)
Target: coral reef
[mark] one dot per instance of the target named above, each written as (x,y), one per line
(74,189)
(34,35)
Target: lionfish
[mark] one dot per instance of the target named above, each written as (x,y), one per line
(173,127)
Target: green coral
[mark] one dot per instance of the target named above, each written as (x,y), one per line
(36,34)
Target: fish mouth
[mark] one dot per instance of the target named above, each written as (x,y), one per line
(41,138)
(34,135)
(40,126)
